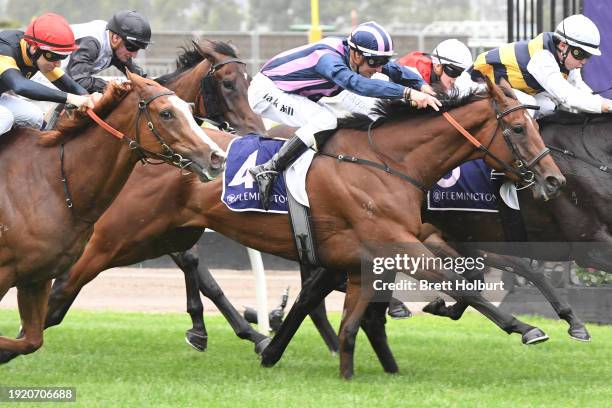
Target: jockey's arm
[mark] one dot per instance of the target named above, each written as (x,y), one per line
(14,80)
(404,76)
(545,70)
(81,65)
(65,83)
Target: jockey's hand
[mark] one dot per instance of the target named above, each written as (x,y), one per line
(606,105)
(82,102)
(428,89)
(424,100)
(96,96)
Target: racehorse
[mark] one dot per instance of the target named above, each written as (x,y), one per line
(583,147)
(338,216)
(212,77)
(53,199)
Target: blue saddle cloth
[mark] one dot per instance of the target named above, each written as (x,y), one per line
(240,191)
(466,188)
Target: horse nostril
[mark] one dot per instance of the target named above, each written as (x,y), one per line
(216,161)
(555,183)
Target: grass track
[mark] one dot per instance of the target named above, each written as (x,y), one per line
(133,359)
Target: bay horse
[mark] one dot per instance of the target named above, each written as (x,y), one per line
(583,147)
(52,200)
(338,231)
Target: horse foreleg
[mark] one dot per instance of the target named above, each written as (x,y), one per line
(319,316)
(355,303)
(209,288)
(32,301)
(577,330)
(373,324)
(313,291)
(187,261)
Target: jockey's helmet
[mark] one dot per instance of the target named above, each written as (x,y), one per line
(452,52)
(132,27)
(51,32)
(371,40)
(579,32)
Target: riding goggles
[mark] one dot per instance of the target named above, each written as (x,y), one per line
(375,62)
(452,71)
(579,54)
(53,57)
(133,46)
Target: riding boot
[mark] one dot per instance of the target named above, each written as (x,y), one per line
(266,173)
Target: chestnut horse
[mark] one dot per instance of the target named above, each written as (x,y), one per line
(339,230)
(53,199)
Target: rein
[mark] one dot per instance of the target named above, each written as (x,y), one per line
(168,155)
(524,173)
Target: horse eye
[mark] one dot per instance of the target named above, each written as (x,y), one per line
(166,114)
(518,129)
(228,84)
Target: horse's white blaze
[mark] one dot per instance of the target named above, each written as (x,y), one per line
(183,107)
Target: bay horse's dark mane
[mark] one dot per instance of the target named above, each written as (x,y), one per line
(69,127)
(392,110)
(192,57)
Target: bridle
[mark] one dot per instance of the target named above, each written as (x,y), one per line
(168,155)
(209,106)
(523,169)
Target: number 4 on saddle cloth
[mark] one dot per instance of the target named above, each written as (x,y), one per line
(241,192)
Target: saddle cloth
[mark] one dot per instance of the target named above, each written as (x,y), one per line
(241,192)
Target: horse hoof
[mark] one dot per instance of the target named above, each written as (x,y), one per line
(261,346)
(268,358)
(196,340)
(534,336)
(579,333)
(6,356)
(399,311)
(433,306)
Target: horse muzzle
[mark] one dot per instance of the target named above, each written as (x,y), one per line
(549,187)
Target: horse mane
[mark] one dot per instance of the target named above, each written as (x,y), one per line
(71,125)
(191,56)
(393,110)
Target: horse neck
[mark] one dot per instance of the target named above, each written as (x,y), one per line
(187,86)
(434,146)
(95,182)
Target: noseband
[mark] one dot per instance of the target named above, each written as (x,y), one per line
(210,107)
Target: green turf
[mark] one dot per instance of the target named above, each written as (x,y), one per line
(133,360)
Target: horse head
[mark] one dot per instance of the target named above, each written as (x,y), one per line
(223,91)
(524,145)
(166,130)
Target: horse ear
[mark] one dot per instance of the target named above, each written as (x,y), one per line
(494,90)
(202,52)
(234,47)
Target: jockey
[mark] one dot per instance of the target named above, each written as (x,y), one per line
(546,70)
(102,44)
(443,66)
(47,41)
(289,86)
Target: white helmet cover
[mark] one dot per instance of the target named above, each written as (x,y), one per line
(579,31)
(452,52)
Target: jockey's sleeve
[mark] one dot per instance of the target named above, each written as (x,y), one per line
(545,70)
(81,66)
(334,69)
(14,80)
(67,84)
(403,75)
